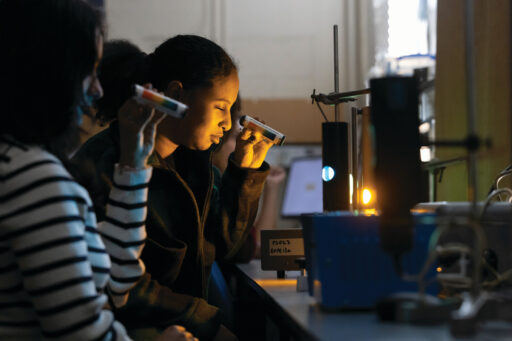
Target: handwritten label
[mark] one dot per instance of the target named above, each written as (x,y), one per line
(286,247)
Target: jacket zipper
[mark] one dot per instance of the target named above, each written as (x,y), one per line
(201,221)
(204,216)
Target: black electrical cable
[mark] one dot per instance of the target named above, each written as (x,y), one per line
(323,114)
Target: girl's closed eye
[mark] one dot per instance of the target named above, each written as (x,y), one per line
(221,108)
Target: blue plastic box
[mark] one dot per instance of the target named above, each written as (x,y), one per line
(346,266)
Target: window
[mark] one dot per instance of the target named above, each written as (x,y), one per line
(404,27)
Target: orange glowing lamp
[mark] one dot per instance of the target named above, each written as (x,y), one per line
(367,196)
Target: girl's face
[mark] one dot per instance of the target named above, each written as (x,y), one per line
(208,116)
(221,155)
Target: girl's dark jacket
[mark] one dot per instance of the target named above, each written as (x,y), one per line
(194,217)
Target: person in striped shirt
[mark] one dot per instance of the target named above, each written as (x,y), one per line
(61,273)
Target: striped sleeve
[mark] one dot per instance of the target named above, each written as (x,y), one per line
(123,230)
(43,222)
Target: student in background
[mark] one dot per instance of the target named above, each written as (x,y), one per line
(57,266)
(194,216)
(267,215)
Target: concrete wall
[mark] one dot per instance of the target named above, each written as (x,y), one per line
(284,48)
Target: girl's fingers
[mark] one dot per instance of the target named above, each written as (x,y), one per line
(251,136)
(155,118)
(146,116)
(159,117)
(263,146)
(150,129)
(179,328)
(257,136)
(245,134)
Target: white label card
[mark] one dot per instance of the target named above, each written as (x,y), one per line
(286,247)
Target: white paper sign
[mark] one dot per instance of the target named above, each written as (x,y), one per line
(286,247)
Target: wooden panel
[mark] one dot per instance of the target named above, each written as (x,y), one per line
(492,46)
(298,119)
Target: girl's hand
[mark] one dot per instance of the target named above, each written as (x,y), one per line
(251,149)
(137,131)
(176,333)
(275,176)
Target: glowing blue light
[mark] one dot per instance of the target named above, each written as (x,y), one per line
(327,173)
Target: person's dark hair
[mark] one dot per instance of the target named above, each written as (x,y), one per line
(48,48)
(122,65)
(236,108)
(194,61)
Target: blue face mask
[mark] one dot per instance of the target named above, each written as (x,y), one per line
(85,105)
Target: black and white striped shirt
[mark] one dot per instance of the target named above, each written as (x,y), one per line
(57,265)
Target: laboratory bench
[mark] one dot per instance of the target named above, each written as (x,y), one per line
(268,308)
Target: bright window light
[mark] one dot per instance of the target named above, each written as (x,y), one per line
(407,31)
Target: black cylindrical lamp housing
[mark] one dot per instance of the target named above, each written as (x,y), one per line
(335,171)
(395,119)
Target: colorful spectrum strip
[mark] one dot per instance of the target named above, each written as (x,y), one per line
(157,98)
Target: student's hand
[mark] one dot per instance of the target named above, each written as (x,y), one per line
(275,176)
(251,149)
(176,333)
(224,334)
(137,131)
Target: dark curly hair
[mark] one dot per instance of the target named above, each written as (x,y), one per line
(194,61)
(51,45)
